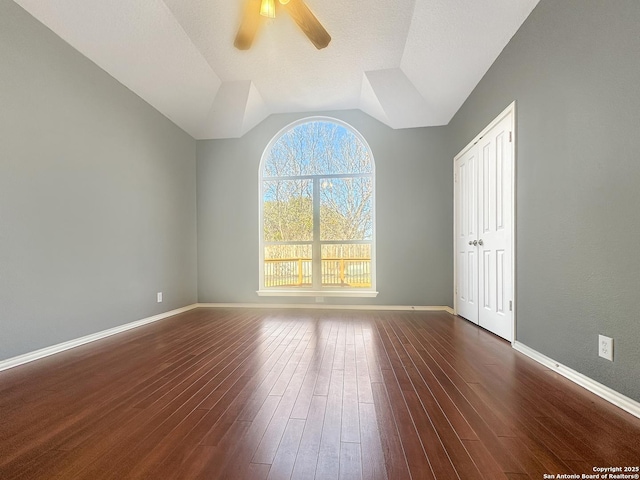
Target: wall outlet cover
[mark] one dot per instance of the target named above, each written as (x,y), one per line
(159,297)
(605,347)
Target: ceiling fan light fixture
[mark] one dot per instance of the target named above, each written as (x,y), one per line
(268,8)
(297,9)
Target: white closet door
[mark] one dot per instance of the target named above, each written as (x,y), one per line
(494,237)
(484,229)
(466,173)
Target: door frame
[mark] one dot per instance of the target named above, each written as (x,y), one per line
(511,109)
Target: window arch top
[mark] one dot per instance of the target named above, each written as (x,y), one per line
(317,147)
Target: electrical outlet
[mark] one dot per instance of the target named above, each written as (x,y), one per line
(605,347)
(319,299)
(159,297)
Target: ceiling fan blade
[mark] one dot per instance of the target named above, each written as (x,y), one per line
(249,26)
(308,22)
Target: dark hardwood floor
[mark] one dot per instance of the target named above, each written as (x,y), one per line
(270,394)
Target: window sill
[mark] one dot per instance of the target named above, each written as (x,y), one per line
(317,293)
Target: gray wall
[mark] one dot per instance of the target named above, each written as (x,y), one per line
(574,70)
(97,196)
(413,214)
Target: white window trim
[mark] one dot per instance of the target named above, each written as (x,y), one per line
(310,291)
(304,292)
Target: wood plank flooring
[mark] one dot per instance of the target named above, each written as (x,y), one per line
(270,394)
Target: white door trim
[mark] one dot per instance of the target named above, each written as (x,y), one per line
(511,109)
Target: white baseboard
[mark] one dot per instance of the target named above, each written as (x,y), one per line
(618,399)
(61,347)
(324,306)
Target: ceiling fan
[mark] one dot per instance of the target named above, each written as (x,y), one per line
(306,20)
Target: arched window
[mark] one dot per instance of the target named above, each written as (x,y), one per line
(317,218)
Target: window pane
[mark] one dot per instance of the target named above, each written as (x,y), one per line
(346,266)
(287,266)
(288,210)
(346,208)
(317,148)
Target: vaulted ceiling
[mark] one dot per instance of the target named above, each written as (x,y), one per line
(408,63)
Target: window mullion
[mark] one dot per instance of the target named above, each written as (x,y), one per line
(316,249)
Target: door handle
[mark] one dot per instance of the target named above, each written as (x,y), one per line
(475,242)
(480,242)
(470,242)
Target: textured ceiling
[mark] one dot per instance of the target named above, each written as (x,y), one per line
(408,63)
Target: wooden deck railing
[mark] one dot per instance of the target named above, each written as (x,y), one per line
(339,272)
